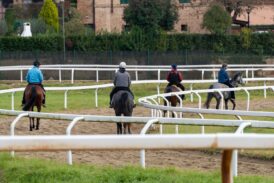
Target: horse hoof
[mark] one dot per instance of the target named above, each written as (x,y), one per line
(30,129)
(36,128)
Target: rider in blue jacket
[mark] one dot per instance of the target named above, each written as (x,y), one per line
(224,79)
(35,77)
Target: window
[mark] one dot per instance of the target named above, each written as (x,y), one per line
(183,27)
(184,1)
(124,1)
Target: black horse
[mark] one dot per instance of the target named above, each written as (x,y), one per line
(122,103)
(236,80)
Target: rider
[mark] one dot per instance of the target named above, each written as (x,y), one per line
(121,81)
(174,77)
(224,79)
(35,77)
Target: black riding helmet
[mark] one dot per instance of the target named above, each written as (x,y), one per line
(36,63)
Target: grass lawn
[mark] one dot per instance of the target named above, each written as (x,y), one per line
(20,170)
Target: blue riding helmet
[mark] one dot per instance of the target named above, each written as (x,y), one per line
(174,66)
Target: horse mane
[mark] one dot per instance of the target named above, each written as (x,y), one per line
(236,75)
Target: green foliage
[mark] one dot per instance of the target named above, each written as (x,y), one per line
(138,40)
(49,14)
(246,38)
(10,18)
(151,14)
(217,20)
(74,24)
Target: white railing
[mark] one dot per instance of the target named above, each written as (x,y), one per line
(191,92)
(227,142)
(141,68)
(198,92)
(156,107)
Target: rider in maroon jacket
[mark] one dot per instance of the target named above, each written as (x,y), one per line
(174,77)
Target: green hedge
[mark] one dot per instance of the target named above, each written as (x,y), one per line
(260,43)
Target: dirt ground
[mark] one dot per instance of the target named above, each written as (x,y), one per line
(184,159)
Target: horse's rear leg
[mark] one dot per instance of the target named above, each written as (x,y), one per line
(226,104)
(38,119)
(127,128)
(208,100)
(164,112)
(30,124)
(119,128)
(218,103)
(234,104)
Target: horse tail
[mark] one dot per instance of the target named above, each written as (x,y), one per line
(123,100)
(32,99)
(209,97)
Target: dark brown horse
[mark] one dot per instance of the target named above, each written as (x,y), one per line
(123,104)
(173,100)
(34,95)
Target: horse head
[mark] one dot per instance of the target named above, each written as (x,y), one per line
(237,79)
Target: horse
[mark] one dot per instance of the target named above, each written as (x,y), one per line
(173,100)
(34,95)
(236,80)
(122,103)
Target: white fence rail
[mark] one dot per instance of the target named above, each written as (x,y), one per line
(141,68)
(99,142)
(114,142)
(222,141)
(191,92)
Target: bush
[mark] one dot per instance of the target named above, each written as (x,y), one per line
(136,40)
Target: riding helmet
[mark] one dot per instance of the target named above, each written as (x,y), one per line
(122,65)
(174,66)
(224,65)
(36,63)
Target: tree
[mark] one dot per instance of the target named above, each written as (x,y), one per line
(216,20)
(74,23)
(237,7)
(246,38)
(3,27)
(151,14)
(49,13)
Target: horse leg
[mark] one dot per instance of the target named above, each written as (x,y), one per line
(38,119)
(218,103)
(119,128)
(30,125)
(208,100)
(226,106)
(124,128)
(129,125)
(164,112)
(234,104)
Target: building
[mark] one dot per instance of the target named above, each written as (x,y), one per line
(106,15)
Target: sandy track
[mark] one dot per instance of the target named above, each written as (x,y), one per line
(185,159)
